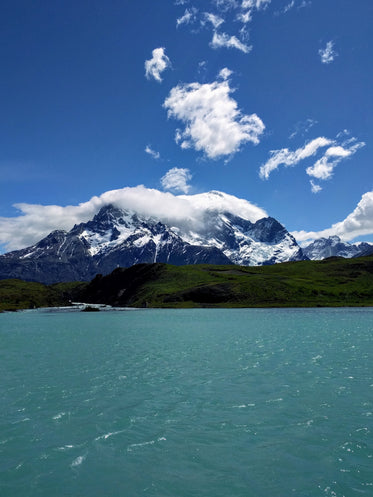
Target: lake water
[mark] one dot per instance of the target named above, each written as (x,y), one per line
(184,403)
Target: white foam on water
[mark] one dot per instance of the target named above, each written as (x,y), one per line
(59,415)
(108,435)
(141,444)
(20,421)
(66,447)
(363,429)
(317,357)
(78,461)
(243,406)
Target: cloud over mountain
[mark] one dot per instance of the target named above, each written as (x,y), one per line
(36,221)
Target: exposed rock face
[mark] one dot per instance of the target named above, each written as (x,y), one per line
(121,238)
(334,246)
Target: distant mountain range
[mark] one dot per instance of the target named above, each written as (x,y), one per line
(118,237)
(334,246)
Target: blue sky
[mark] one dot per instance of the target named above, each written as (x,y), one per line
(267,100)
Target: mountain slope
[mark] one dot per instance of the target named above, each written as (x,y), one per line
(121,238)
(333,282)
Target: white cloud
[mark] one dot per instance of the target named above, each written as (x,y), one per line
(328,54)
(176,179)
(225,5)
(254,4)
(294,3)
(289,6)
(225,73)
(157,64)
(152,153)
(188,17)
(315,188)
(323,167)
(303,127)
(213,122)
(215,20)
(37,221)
(247,8)
(258,4)
(223,40)
(245,17)
(288,158)
(358,223)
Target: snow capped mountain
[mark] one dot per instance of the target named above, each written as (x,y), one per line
(334,246)
(246,243)
(122,237)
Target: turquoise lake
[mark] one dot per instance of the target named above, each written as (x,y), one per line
(187,403)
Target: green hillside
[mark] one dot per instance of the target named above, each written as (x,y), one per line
(17,294)
(332,282)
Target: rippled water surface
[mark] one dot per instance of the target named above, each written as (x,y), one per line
(182,403)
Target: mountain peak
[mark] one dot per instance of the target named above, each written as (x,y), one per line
(108,212)
(117,237)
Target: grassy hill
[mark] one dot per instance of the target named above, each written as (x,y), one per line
(17,294)
(332,282)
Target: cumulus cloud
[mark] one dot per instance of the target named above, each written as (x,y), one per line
(157,64)
(213,123)
(152,153)
(328,54)
(176,179)
(36,221)
(323,167)
(223,40)
(358,223)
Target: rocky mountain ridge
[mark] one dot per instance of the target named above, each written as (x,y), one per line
(121,238)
